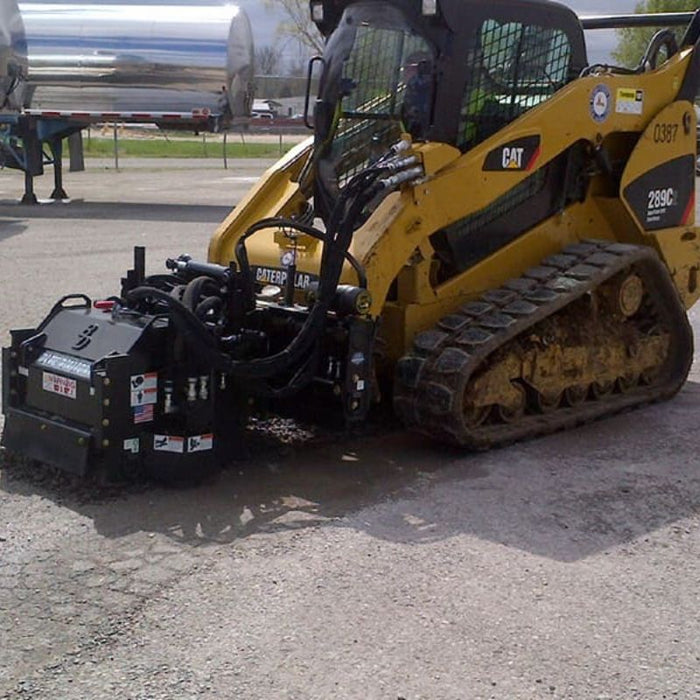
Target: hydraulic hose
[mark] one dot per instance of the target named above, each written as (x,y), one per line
(206,305)
(302,351)
(196,334)
(242,257)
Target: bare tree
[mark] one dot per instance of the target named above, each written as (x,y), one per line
(297,24)
(267,60)
(297,67)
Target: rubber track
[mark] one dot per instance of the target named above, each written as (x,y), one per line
(431,380)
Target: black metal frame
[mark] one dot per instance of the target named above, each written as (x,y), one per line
(452,33)
(669,19)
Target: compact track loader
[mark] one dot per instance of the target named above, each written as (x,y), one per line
(484,229)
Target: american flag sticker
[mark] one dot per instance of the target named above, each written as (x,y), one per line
(143,414)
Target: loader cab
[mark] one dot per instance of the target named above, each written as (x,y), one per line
(453,71)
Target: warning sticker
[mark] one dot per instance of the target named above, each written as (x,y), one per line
(132,445)
(168,443)
(629,101)
(200,443)
(144,388)
(56,384)
(144,397)
(144,381)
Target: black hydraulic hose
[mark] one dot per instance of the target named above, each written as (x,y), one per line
(334,251)
(303,228)
(196,334)
(352,188)
(357,194)
(193,332)
(206,305)
(358,184)
(307,336)
(339,234)
(164,279)
(301,378)
(195,288)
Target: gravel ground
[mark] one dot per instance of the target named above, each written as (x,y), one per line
(376,567)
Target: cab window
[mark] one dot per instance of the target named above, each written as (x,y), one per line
(511,67)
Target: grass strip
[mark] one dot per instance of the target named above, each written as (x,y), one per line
(157,148)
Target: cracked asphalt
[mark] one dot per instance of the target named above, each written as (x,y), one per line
(376,567)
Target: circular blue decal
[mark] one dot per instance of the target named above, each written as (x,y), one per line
(601,101)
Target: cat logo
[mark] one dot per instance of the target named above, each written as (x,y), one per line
(515,156)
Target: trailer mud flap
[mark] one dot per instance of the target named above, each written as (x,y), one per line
(46,440)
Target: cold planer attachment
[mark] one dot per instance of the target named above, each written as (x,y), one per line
(160,379)
(86,387)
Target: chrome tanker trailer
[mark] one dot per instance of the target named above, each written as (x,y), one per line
(186,67)
(13,56)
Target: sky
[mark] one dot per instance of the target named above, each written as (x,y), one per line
(264,21)
(599,42)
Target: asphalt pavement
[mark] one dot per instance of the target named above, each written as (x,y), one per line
(384,567)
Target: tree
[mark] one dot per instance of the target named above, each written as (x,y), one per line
(267,60)
(297,24)
(632,43)
(297,67)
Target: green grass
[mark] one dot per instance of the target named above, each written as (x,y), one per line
(181,148)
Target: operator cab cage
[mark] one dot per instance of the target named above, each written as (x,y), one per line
(454,71)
